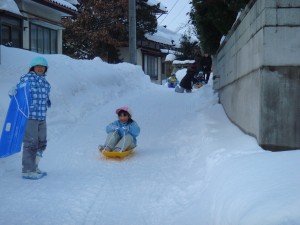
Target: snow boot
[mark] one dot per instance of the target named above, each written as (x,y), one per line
(103,148)
(100,148)
(38,157)
(179,89)
(32,175)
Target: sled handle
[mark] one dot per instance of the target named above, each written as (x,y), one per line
(26,116)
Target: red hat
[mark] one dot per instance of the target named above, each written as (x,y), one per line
(124,108)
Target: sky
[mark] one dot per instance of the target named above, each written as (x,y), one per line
(191,166)
(177,18)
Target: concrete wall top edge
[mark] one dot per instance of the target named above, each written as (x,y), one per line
(259,17)
(280,3)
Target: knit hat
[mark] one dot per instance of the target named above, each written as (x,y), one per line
(124,108)
(38,61)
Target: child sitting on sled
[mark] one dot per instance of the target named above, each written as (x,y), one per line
(122,133)
(172,80)
(199,80)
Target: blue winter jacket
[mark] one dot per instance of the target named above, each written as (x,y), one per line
(39,92)
(132,128)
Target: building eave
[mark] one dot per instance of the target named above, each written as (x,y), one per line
(4,12)
(57,7)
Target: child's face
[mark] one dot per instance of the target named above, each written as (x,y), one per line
(39,70)
(123,118)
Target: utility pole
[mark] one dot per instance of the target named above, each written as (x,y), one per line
(132,31)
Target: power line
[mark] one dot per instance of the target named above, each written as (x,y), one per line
(181,11)
(169,12)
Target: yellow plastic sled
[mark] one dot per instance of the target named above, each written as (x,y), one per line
(197,86)
(119,155)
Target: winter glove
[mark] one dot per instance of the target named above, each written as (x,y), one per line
(48,103)
(114,127)
(13,91)
(125,129)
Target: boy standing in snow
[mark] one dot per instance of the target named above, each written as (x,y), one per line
(35,138)
(122,133)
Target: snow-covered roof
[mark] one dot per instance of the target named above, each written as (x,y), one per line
(170,57)
(10,6)
(73,2)
(165,36)
(155,2)
(183,61)
(66,3)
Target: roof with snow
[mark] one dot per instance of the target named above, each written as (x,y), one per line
(64,3)
(170,58)
(165,36)
(155,2)
(183,61)
(11,6)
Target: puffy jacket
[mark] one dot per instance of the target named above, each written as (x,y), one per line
(206,63)
(132,128)
(172,81)
(187,80)
(39,92)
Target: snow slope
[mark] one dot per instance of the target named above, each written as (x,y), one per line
(192,165)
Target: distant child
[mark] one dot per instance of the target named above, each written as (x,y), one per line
(122,133)
(35,138)
(200,78)
(172,81)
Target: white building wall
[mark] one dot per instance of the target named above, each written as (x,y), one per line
(258,68)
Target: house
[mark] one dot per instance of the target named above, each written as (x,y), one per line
(152,52)
(34,24)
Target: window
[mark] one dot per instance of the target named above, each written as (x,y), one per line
(33,38)
(43,40)
(47,41)
(10,32)
(53,42)
(6,35)
(40,40)
(151,66)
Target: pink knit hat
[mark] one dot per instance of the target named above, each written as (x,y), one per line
(124,108)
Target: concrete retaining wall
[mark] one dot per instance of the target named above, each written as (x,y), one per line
(258,67)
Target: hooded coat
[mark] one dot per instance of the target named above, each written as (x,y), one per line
(186,81)
(39,91)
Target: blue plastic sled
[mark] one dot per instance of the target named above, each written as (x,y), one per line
(171,86)
(15,122)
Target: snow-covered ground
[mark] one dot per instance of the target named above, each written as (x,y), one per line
(192,165)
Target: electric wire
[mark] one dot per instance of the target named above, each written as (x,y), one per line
(169,12)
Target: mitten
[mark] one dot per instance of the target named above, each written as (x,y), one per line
(114,127)
(13,91)
(125,129)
